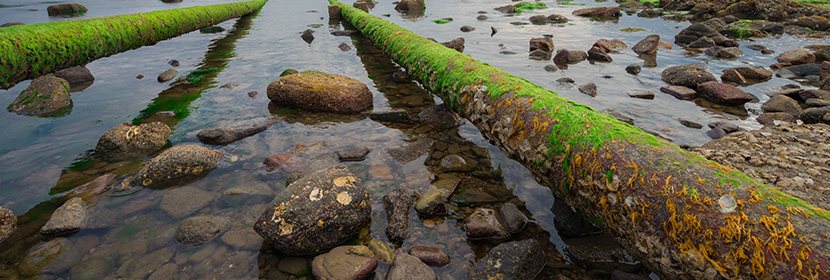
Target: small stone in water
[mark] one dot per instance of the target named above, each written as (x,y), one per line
(139,77)
(174,63)
(253,94)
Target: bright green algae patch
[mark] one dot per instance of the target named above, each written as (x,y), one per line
(527,6)
(29,51)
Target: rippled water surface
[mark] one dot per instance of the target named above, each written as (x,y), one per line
(41,159)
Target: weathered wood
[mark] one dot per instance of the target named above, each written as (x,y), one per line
(668,207)
(30,51)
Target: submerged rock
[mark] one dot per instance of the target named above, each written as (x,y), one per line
(688,75)
(344,262)
(441,114)
(181,202)
(512,260)
(394,115)
(200,229)
(127,140)
(315,213)
(175,164)
(431,203)
(513,218)
(431,256)
(396,205)
(408,267)
(319,91)
(69,218)
(353,153)
(411,151)
(224,136)
(8,223)
(46,96)
(53,257)
(483,225)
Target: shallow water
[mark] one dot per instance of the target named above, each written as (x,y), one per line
(41,159)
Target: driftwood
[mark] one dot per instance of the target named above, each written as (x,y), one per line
(683,216)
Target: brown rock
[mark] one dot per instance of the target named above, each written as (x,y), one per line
(344,262)
(66,9)
(688,75)
(795,57)
(431,256)
(318,91)
(410,5)
(598,12)
(680,92)
(543,43)
(46,96)
(127,140)
(825,70)
(648,45)
(724,94)
(732,75)
(564,56)
(613,45)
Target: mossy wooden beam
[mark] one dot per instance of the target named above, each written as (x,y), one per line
(29,51)
(683,216)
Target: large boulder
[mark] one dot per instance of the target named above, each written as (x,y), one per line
(396,204)
(511,260)
(796,56)
(66,9)
(408,267)
(316,212)
(687,75)
(815,23)
(724,94)
(344,263)
(200,229)
(782,103)
(8,223)
(319,91)
(127,140)
(75,75)
(177,164)
(69,218)
(46,96)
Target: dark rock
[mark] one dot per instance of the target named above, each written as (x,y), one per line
(318,91)
(800,71)
(598,54)
(695,31)
(824,73)
(620,275)
(729,43)
(557,18)
(345,32)
(210,30)
(513,218)
(174,63)
(315,213)
(53,257)
(727,127)
(551,68)
(75,75)
(598,12)
(565,80)
(716,133)
(353,153)
(441,114)
(781,103)
(650,13)
(8,223)
(825,84)
(285,163)
(539,19)
(293,178)
(167,75)
(408,267)
(760,48)
(344,47)
(816,102)
(467,28)
(344,262)
(334,12)
(643,94)
(815,23)
(690,124)
(614,45)
(507,52)
(770,118)
(452,163)
(822,54)
(401,77)
(814,93)
(539,54)
(200,229)
(288,71)
(394,115)
(483,225)
(66,9)
(688,75)
(732,75)
(753,73)
(795,57)
(796,30)
(647,45)
(680,92)
(789,86)
(724,94)
(589,89)
(69,218)
(410,5)
(396,204)
(633,69)
(45,96)
(224,136)
(702,42)
(431,203)
(12,24)
(600,252)
(728,53)
(481,17)
(307,36)
(184,201)
(431,256)
(509,9)
(512,260)
(564,56)
(631,6)
(620,116)
(570,223)
(178,163)
(814,115)
(544,43)
(410,151)
(456,44)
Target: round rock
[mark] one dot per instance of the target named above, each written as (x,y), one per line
(513,217)
(483,224)
(175,164)
(75,75)
(127,140)
(46,96)
(344,262)
(511,260)
(319,91)
(408,267)
(198,230)
(431,256)
(688,75)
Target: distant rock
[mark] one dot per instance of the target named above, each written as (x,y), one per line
(688,75)
(410,5)
(467,28)
(66,9)
(307,36)
(597,53)
(589,89)
(770,118)
(441,114)
(456,44)
(781,103)
(795,57)
(695,31)
(176,164)
(633,69)
(394,115)
(642,94)
(200,229)
(544,43)
(702,42)
(69,218)
(319,91)
(598,12)
(14,23)
(127,140)
(564,56)
(613,45)
(46,96)
(512,260)
(557,18)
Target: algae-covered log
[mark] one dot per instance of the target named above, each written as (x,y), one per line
(29,51)
(683,216)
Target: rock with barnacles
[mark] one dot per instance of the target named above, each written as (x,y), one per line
(127,140)
(316,212)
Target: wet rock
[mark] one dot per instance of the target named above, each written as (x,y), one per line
(810,71)
(167,271)
(69,218)
(650,13)
(453,163)
(292,265)
(315,213)
(633,69)
(551,68)
(539,19)
(381,250)
(394,115)
(753,73)
(167,75)
(408,267)
(726,53)
(224,136)
(511,260)
(782,103)
(620,275)
(411,151)
(600,252)
(66,9)
(540,55)
(177,163)
(8,223)
(318,91)
(396,204)
(702,42)
(727,127)
(680,92)
(647,45)
(91,269)
(598,54)
(690,124)
(229,85)
(456,44)
(815,23)
(613,45)
(441,114)
(791,92)
(557,18)
(589,89)
(481,17)
(285,164)
(695,31)
(598,12)
(814,93)
(12,24)
(53,257)
(210,30)
(46,96)
(816,102)
(174,63)
(513,218)
(344,33)
(127,140)
(344,262)
(814,115)
(565,80)
(431,256)
(431,203)
(141,267)
(200,229)
(544,43)
(760,48)
(401,77)
(822,54)
(731,75)
(620,116)
(353,153)
(564,56)
(181,202)
(509,9)
(824,73)
(75,75)
(795,57)
(643,94)
(410,5)
(724,94)
(483,225)
(688,75)
(467,28)
(307,36)
(770,118)
(570,223)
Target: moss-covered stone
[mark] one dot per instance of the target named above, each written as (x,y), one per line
(47,96)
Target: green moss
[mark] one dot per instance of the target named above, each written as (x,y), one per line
(609,176)
(633,29)
(442,20)
(571,4)
(315,25)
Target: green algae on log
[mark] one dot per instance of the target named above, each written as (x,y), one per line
(29,51)
(660,202)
